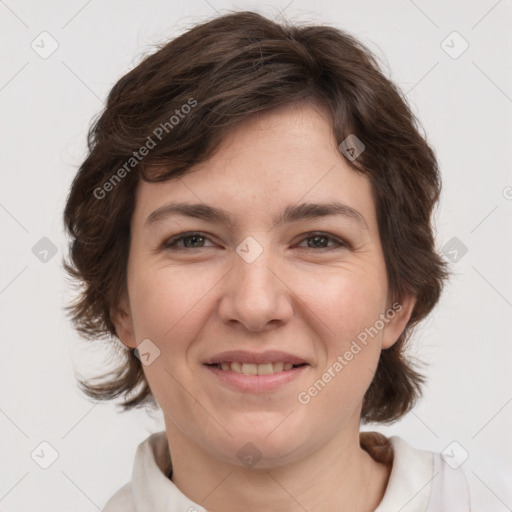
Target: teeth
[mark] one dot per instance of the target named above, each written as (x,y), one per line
(265,369)
(277,367)
(256,369)
(249,369)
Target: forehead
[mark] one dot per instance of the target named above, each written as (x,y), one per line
(270,161)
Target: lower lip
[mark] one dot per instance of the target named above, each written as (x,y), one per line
(256,383)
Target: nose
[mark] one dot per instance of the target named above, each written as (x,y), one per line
(255,294)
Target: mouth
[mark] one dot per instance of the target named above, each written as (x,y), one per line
(255,372)
(268,368)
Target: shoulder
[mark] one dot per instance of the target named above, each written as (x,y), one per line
(445,483)
(420,480)
(149,453)
(121,501)
(150,488)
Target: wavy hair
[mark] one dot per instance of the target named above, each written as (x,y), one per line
(232,67)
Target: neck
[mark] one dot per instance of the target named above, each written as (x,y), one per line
(338,476)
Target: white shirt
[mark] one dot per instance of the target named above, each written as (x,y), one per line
(420,481)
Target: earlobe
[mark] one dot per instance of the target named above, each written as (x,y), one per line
(122,320)
(398,316)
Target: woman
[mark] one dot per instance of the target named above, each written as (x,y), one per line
(253,223)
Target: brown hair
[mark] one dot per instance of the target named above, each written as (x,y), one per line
(225,70)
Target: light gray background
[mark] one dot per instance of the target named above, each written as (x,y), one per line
(46,106)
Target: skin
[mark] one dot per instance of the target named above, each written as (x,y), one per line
(297,296)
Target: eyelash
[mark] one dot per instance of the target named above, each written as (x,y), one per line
(170,244)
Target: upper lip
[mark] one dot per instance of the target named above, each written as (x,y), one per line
(243,356)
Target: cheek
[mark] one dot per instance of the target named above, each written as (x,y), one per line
(166,306)
(346,308)
(164,301)
(171,304)
(346,301)
(346,311)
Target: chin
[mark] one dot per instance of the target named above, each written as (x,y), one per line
(261,446)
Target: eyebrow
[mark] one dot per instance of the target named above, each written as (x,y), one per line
(292,213)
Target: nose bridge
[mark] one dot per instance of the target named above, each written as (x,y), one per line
(255,295)
(254,280)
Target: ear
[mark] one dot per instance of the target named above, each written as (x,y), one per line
(397,315)
(122,320)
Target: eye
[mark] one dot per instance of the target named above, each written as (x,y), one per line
(320,241)
(196,240)
(190,241)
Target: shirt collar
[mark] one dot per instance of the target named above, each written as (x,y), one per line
(409,483)
(152,489)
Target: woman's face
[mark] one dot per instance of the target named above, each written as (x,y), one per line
(271,280)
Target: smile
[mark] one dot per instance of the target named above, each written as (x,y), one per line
(255,378)
(255,369)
